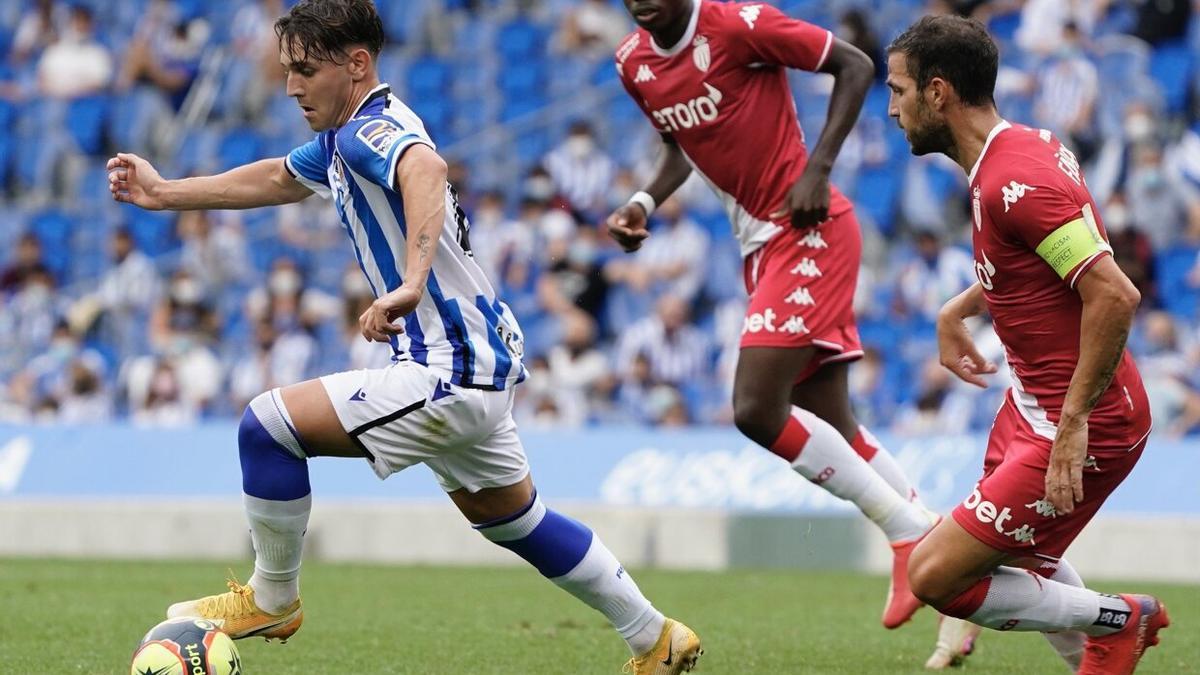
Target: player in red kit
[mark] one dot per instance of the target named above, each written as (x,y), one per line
(712,78)
(1076,418)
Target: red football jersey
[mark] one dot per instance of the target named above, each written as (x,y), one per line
(722,94)
(1036,232)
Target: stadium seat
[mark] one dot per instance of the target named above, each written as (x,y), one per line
(240,145)
(522,79)
(86,119)
(1173,267)
(876,192)
(53,228)
(1171,65)
(520,40)
(427,77)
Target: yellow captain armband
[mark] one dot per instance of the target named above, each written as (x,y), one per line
(1073,243)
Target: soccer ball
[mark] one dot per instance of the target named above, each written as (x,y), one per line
(186,646)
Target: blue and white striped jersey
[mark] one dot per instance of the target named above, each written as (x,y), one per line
(460,327)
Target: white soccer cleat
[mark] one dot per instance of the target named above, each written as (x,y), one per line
(955,642)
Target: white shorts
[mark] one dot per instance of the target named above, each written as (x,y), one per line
(406,414)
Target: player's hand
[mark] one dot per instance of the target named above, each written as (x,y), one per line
(627,225)
(807,201)
(376,323)
(957,352)
(133,180)
(1064,476)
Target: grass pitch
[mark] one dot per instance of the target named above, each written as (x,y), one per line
(86,617)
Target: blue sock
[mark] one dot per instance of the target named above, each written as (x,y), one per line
(277,498)
(573,557)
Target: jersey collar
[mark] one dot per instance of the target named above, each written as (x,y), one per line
(1000,126)
(687,34)
(378,92)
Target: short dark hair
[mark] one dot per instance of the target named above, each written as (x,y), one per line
(956,49)
(324,29)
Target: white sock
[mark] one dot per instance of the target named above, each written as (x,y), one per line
(1021,600)
(884,464)
(601,582)
(277,531)
(1068,644)
(829,461)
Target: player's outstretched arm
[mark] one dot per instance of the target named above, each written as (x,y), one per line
(264,183)
(1109,302)
(421,180)
(627,225)
(956,349)
(853,71)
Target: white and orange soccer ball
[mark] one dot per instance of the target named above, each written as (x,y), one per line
(186,646)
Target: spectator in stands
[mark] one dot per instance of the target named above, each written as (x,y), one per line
(183,329)
(854,28)
(38,28)
(356,298)
(27,260)
(579,373)
(1166,370)
(124,298)
(503,247)
(581,170)
(255,49)
(573,277)
(278,359)
(213,252)
(934,274)
(162,401)
(75,64)
(1044,21)
(940,405)
(1131,249)
(677,352)
(64,378)
(667,407)
(673,260)
(1159,206)
(1067,85)
(1161,20)
(28,318)
(165,53)
(288,302)
(591,28)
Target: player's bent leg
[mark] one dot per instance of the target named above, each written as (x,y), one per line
(277,499)
(763,410)
(1067,644)
(825,393)
(569,554)
(965,578)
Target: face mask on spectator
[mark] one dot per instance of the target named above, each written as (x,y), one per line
(1150,178)
(284,282)
(540,188)
(580,146)
(355,285)
(186,292)
(1116,218)
(1139,127)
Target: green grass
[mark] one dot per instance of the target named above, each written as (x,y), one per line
(86,617)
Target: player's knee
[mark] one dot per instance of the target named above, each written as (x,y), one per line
(758,420)
(265,428)
(925,579)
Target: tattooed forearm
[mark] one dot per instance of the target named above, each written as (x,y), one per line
(1110,370)
(423,245)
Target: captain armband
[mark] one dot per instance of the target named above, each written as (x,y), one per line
(1073,243)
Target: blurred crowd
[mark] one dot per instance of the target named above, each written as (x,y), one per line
(112,312)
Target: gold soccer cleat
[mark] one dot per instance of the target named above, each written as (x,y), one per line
(676,651)
(238,615)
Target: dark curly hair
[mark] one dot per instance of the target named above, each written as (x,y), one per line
(958,50)
(324,29)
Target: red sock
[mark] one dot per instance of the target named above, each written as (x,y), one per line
(863,447)
(791,440)
(969,602)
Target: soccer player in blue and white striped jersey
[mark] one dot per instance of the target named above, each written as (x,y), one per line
(446,401)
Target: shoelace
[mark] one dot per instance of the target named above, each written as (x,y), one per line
(237,603)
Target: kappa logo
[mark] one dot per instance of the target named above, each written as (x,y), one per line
(750,14)
(985,512)
(1044,508)
(644,74)
(807,267)
(380,136)
(802,297)
(814,240)
(1013,193)
(795,326)
(701,53)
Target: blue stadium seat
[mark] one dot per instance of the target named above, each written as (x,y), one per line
(240,145)
(520,40)
(53,228)
(86,119)
(428,76)
(1171,65)
(522,79)
(154,231)
(516,108)
(1172,267)
(875,193)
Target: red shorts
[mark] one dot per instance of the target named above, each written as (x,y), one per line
(801,286)
(1008,511)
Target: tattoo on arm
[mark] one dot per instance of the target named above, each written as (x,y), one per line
(1109,371)
(423,242)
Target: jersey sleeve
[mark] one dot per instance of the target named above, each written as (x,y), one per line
(1046,210)
(766,35)
(372,149)
(308,165)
